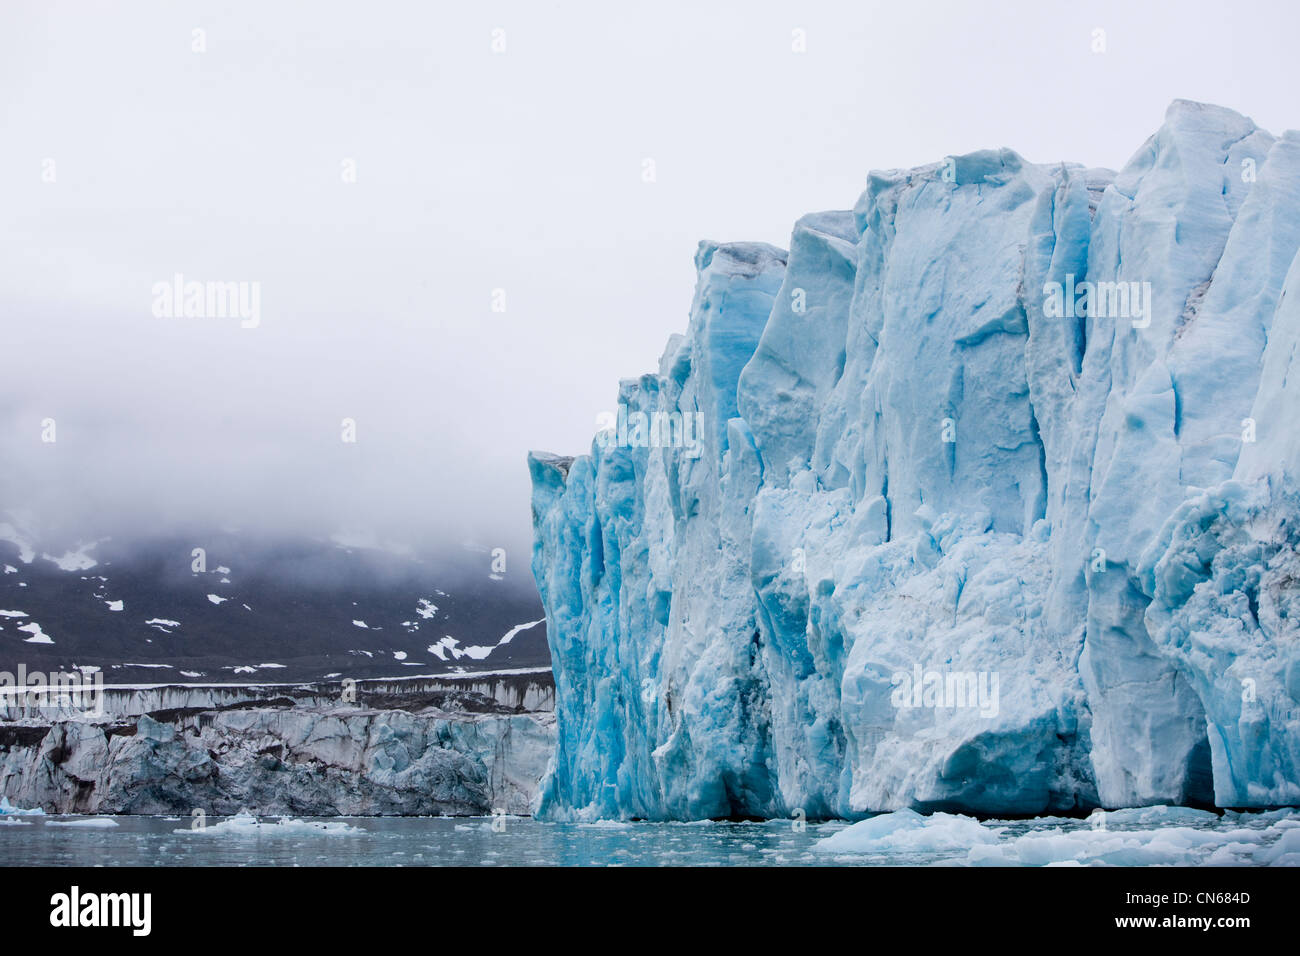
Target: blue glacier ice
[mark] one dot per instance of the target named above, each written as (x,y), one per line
(992,505)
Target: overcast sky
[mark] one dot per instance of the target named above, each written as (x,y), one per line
(475,170)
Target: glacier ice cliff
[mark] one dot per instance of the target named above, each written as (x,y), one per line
(422,747)
(993,505)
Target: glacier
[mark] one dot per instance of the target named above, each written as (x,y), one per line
(471,745)
(991,505)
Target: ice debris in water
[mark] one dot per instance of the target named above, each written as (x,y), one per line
(8,809)
(1160,835)
(87,823)
(245,824)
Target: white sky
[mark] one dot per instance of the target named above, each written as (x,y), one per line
(475,171)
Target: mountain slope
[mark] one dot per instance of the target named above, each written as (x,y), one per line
(260,610)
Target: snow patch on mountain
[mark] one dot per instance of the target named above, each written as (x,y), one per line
(26,552)
(38,636)
(78,559)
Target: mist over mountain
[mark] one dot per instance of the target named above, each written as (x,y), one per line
(232,606)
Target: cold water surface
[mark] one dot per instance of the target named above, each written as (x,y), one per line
(1151,836)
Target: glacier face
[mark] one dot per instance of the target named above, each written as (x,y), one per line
(461,746)
(993,506)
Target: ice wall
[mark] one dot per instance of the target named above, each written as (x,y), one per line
(991,505)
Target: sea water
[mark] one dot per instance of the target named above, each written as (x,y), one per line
(1152,836)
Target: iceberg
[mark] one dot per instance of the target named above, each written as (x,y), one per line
(7,809)
(980,499)
(906,830)
(85,823)
(244,824)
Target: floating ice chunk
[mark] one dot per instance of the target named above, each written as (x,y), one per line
(85,823)
(905,830)
(217,599)
(1233,840)
(1287,846)
(8,809)
(1157,816)
(245,824)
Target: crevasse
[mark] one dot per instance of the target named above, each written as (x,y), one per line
(917,475)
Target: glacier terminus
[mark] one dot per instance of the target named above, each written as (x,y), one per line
(984,497)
